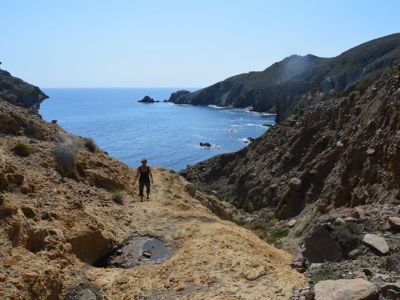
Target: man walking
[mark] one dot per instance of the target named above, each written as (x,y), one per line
(145,178)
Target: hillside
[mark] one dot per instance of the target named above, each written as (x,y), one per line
(324,186)
(340,152)
(72,227)
(288,86)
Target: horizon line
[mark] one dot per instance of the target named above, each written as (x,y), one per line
(118,87)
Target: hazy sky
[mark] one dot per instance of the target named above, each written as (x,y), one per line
(176,43)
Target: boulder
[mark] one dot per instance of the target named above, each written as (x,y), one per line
(349,289)
(321,246)
(376,242)
(394,223)
(391,290)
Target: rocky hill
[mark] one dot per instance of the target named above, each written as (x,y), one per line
(73,227)
(18,92)
(288,86)
(327,182)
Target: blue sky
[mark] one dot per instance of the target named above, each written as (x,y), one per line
(176,43)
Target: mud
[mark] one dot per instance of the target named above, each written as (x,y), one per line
(138,250)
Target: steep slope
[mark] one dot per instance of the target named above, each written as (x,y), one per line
(342,152)
(288,86)
(59,215)
(18,92)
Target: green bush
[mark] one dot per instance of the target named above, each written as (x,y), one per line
(277,233)
(322,272)
(348,235)
(118,198)
(90,145)
(353,96)
(22,149)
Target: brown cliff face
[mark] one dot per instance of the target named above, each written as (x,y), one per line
(341,152)
(59,215)
(286,87)
(18,92)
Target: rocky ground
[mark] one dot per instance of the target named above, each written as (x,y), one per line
(65,205)
(304,180)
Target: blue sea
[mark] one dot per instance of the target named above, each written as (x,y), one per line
(168,135)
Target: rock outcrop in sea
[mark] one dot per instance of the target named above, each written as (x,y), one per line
(147,99)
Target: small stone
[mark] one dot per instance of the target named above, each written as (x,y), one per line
(354,253)
(146,254)
(367,272)
(339,221)
(377,242)
(339,144)
(358,213)
(295,184)
(394,223)
(370,151)
(291,223)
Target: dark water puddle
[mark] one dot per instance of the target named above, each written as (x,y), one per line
(138,250)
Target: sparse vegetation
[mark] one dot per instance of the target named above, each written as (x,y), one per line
(65,155)
(353,96)
(277,233)
(323,272)
(22,149)
(348,235)
(90,145)
(118,198)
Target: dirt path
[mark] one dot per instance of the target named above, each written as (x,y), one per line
(211,258)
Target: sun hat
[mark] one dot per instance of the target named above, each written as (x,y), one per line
(143,159)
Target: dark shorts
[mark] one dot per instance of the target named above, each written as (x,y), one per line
(143,184)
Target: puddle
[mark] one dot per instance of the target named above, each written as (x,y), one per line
(138,250)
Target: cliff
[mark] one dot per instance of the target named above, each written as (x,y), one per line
(342,152)
(287,87)
(18,92)
(67,208)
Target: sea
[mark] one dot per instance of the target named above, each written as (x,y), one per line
(168,135)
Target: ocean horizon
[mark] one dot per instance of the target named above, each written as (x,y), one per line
(168,135)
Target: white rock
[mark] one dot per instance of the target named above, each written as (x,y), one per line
(349,289)
(377,242)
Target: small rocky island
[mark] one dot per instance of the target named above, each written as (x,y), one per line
(148,99)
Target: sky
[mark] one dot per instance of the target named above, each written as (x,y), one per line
(176,43)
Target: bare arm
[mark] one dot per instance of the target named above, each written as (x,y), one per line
(137,176)
(151,176)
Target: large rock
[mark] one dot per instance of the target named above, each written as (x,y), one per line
(346,289)
(321,246)
(376,242)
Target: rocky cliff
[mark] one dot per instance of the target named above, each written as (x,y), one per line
(289,86)
(73,227)
(342,152)
(18,92)
(326,186)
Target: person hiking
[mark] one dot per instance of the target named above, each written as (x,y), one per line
(145,178)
